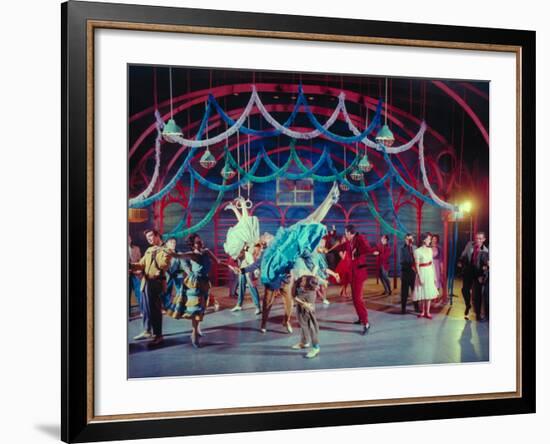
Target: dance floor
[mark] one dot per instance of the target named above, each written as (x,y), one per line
(233,343)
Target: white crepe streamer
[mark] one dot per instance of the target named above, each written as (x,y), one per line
(297,134)
(425,180)
(373,144)
(145,193)
(222,136)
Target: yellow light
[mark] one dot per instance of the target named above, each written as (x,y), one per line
(466,206)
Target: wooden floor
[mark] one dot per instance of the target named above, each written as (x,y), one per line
(233,343)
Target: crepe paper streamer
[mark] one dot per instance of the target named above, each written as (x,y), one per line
(408,187)
(426,182)
(172,183)
(375,145)
(246,130)
(297,134)
(158,140)
(394,211)
(201,224)
(362,187)
(385,225)
(323,129)
(238,125)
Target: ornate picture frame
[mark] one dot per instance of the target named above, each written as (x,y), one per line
(80,22)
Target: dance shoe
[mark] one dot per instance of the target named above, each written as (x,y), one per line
(326,302)
(157,340)
(288,327)
(263,330)
(313,352)
(143,335)
(236,308)
(358,322)
(258,311)
(366,328)
(299,346)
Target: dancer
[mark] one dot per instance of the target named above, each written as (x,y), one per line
(134,277)
(383,263)
(343,269)
(174,275)
(357,248)
(248,279)
(279,258)
(323,272)
(408,272)
(305,292)
(153,264)
(474,261)
(197,283)
(425,289)
(332,256)
(243,245)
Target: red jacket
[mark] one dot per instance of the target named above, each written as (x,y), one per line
(383,258)
(357,249)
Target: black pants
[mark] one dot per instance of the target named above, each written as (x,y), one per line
(472,291)
(408,277)
(151,306)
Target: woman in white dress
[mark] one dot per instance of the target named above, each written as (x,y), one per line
(425,287)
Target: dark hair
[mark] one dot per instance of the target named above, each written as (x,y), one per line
(436,236)
(350,228)
(424,236)
(385,236)
(482,232)
(151,230)
(191,239)
(307,283)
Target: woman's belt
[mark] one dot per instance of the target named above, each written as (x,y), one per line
(425,264)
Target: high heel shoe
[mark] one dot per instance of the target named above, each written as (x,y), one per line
(429,316)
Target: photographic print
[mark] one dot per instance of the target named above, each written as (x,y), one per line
(298,221)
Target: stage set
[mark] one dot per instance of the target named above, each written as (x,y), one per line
(285,221)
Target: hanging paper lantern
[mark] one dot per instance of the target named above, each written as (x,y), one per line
(356,174)
(207,160)
(138,215)
(171,130)
(385,136)
(344,186)
(228,173)
(364,164)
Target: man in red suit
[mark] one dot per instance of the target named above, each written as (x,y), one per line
(357,248)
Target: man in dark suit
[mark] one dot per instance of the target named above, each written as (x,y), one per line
(408,273)
(474,262)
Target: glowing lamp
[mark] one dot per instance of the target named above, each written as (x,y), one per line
(385,136)
(171,130)
(466,206)
(207,160)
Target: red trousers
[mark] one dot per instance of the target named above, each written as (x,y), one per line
(357,281)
